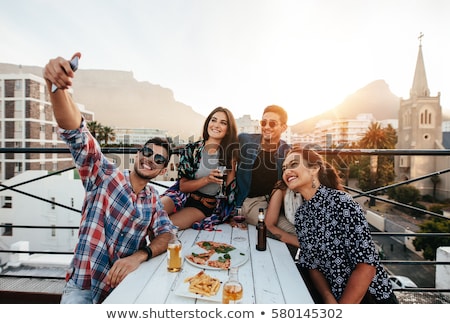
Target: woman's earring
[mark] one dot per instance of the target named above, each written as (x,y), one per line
(314,183)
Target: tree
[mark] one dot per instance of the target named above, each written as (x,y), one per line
(95,128)
(406,194)
(101,133)
(377,138)
(107,133)
(429,244)
(435,180)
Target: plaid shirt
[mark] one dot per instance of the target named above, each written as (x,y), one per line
(114,219)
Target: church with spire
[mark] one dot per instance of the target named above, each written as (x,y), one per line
(420,128)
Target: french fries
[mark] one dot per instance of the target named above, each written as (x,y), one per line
(203,284)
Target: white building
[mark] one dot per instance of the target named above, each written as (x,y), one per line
(18,208)
(328,133)
(38,203)
(135,136)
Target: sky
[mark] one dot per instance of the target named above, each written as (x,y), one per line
(304,55)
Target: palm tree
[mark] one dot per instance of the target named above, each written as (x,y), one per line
(95,128)
(107,133)
(377,138)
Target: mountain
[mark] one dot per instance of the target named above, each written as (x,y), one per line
(375,98)
(119,100)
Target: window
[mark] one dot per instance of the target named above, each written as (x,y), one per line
(18,167)
(6,202)
(18,85)
(426,117)
(407,119)
(7,230)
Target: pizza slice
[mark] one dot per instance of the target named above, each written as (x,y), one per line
(200,258)
(216,246)
(220,263)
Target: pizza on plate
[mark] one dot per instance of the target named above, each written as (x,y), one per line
(222,262)
(216,246)
(200,258)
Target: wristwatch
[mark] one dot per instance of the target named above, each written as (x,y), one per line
(149,252)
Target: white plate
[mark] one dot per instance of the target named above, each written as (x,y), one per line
(182,288)
(238,257)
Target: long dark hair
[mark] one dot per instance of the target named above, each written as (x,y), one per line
(328,175)
(229,146)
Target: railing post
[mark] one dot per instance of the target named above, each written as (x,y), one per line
(443,270)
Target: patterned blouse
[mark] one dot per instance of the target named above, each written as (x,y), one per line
(189,164)
(114,220)
(334,237)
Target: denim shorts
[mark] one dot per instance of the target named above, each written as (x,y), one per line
(74,295)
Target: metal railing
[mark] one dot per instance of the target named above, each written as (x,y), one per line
(355,152)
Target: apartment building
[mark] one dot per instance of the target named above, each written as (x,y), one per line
(26,121)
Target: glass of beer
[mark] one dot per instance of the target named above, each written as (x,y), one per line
(232,289)
(174,260)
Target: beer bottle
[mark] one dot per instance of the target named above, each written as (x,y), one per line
(261,231)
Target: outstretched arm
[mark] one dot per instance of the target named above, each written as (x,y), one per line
(58,72)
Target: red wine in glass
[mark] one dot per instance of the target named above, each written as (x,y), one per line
(239,218)
(223,177)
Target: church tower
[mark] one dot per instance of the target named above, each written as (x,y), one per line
(419,127)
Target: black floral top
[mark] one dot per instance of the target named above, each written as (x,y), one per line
(334,237)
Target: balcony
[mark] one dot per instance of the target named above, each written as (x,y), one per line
(33,283)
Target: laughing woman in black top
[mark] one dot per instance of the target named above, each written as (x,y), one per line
(336,245)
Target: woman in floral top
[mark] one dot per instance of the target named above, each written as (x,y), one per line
(335,241)
(198,171)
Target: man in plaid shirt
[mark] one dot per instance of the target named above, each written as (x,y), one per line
(120,208)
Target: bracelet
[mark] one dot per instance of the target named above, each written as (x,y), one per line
(149,252)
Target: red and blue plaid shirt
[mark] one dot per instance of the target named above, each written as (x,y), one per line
(114,221)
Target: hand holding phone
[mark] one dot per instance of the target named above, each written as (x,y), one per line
(74,67)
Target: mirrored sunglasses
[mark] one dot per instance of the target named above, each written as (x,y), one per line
(272,123)
(148,152)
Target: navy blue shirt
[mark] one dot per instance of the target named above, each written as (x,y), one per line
(250,146)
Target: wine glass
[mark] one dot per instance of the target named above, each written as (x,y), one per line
(223,176)
(239,218)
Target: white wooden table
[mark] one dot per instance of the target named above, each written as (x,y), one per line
(268,277)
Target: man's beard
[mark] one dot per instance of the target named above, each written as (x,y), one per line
(140,174)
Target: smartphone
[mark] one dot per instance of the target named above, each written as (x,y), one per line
(73,65)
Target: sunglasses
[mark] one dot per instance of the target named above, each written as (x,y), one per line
(272,123)
(148,152)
